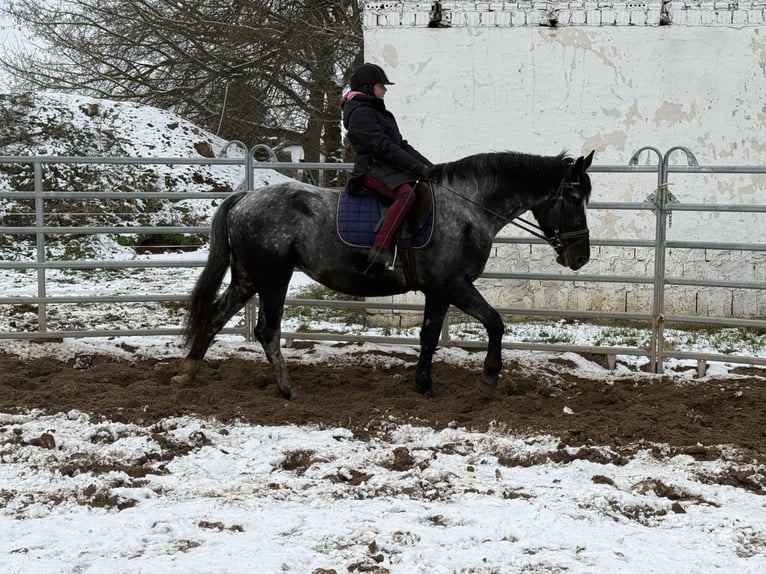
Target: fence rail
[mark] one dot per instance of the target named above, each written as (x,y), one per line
(662,204)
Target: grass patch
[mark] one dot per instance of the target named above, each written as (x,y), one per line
(620,337)
(728,341)
(313,313)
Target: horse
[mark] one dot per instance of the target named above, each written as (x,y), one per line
(262,236)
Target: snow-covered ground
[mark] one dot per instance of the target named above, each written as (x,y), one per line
(248,498)
(243,498)
(79,493)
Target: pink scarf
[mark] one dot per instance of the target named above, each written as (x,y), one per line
(352,94)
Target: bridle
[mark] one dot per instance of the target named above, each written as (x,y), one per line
(559,238)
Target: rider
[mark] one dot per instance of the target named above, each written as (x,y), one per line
(385,162)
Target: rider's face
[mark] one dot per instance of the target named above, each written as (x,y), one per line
(379,90)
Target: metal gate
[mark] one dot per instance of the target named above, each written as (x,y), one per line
(661,202)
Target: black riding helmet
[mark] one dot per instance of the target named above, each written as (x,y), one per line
(368,74)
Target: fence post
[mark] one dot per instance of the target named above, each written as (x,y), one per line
(658,199)
(664,200)
(251,158)
(40,246)
(246,182)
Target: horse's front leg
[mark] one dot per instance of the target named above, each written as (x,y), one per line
(464,295)
(433,318)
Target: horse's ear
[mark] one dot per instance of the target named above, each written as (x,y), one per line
(583,163)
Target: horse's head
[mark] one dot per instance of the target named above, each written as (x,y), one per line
(562,217)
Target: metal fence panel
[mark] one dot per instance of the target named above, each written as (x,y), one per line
(661,204)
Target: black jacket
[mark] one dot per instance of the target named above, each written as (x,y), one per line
(379,146)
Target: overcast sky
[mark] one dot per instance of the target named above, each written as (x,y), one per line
(8,32)
(9,36)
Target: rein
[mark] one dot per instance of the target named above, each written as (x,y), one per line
(529,226)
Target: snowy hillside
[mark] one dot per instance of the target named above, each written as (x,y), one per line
(53,124)
(66,124)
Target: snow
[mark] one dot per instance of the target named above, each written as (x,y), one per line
(232,497)
(231,504)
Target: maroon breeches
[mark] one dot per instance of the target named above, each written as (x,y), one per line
(403,197)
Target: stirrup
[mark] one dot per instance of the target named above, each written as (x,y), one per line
(377,255)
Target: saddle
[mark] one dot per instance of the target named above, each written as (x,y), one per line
(359,216)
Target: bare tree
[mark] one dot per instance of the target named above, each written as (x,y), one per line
(261,71)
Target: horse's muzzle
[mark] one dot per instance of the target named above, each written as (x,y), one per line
(574,263)
(573,249)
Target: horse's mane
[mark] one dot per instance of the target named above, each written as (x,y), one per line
(505,168)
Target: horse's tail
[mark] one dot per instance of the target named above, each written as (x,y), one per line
(200,310)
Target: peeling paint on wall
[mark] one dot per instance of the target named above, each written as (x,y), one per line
(674,113)
(390,56)
(528,82)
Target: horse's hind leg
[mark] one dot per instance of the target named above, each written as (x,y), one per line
(433,318)
(234,297)
(268,329)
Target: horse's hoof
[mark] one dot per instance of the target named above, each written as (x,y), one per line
(187,371)
(290,393)
(487,388)
(423,385)
(425,390)
(181,380)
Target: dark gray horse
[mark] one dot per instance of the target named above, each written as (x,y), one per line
(263,235)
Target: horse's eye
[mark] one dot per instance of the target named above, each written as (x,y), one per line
(574,197)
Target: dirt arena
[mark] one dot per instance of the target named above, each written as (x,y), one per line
(691,416)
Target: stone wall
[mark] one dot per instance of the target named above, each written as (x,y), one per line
(568,13)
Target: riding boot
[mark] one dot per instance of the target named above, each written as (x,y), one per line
(404,198)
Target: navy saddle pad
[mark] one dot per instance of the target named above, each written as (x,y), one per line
(358,217)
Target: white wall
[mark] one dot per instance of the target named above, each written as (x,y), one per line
(607,78)
(463,90)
